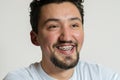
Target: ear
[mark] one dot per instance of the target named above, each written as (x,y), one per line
(34,38)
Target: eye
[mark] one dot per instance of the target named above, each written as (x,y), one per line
(52,27)
(75,25)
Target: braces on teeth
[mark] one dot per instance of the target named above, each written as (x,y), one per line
(66,47)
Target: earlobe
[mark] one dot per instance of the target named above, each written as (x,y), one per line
(34,40)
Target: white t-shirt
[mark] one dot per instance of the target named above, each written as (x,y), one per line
(83,71)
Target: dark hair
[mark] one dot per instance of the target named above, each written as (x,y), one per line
(36,7)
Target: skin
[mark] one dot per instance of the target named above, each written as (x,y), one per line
(59,22)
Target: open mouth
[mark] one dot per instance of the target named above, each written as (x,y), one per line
(65,49)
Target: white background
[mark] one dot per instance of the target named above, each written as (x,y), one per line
(102,35)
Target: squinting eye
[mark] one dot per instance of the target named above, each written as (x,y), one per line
(52,27)
(75,25)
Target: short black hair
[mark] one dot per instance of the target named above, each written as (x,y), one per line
(36,6)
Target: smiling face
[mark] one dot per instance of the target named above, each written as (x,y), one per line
(60,34)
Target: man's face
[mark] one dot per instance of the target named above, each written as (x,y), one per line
(60,34)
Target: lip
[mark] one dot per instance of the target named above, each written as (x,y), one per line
(65,52)
(65,48)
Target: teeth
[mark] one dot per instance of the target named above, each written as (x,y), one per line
(65,48)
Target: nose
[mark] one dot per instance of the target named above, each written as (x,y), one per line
(65,34)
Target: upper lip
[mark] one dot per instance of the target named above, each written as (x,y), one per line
(66,44)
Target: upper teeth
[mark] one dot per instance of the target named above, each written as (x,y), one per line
(66,47)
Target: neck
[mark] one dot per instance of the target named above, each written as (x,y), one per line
(56,72)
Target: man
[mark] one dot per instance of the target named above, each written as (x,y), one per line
(57,27)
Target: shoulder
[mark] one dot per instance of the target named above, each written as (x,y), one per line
(22,73)
(97,71)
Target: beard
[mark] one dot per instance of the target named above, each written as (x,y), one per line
(68,62)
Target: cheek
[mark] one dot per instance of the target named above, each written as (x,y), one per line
(79,37)
(45,43)
(48,39)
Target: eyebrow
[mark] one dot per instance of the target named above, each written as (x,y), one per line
(51,19)
(76,18)
(57,20)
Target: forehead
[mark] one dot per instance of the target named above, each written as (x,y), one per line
(62,10)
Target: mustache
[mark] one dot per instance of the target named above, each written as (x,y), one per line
(64,42)
(60,42)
